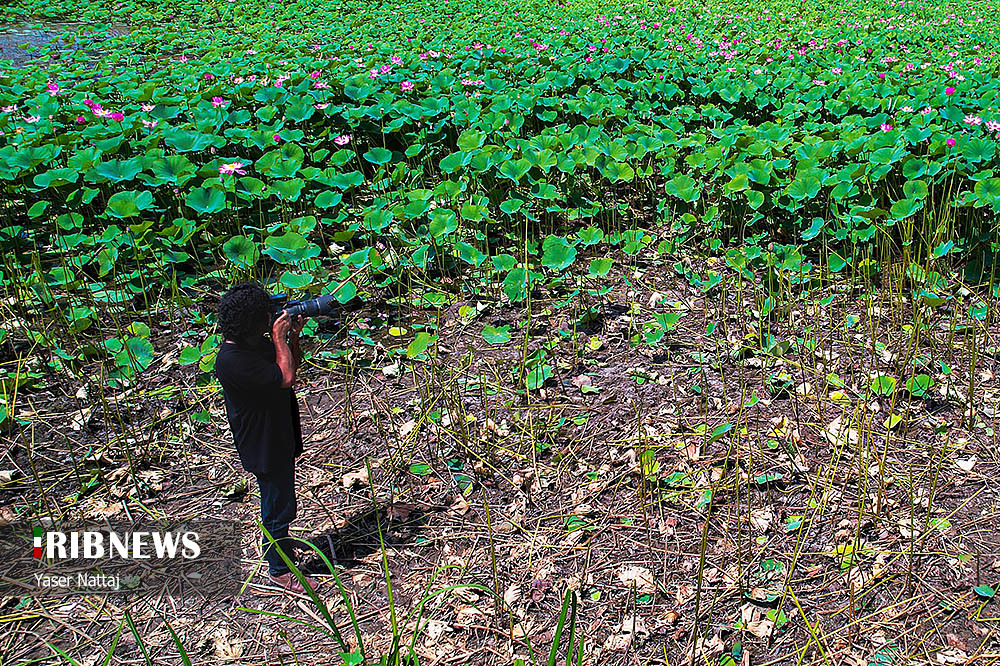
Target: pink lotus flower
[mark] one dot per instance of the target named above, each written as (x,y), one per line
(276,137)
(836,70)
(88,103)
(949,90)
(32,119)
(907,109)
(209,77)
(232,168)
(117,116)
(406,85)
(10,109)
(150,123)
(53,89)
(950,142)
(885,127)
(80,120)
(343,139)
(993,126)
(218,101)
(147,107)
(972,120)
(321,106)
(313,75)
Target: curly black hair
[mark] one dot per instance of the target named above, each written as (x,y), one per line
(241,311)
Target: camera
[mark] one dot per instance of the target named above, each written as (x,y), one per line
(311,308)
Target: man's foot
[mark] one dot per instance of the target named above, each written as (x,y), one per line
(288,581)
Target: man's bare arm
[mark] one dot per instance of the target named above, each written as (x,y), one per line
(282,351)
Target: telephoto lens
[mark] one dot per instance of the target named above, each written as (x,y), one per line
(312,307)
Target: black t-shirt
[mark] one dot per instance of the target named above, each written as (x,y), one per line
(263,416)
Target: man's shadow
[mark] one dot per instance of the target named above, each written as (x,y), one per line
(347,546)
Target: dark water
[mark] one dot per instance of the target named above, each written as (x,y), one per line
(16,39)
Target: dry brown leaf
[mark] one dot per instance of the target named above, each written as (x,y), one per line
(684,594)
(459,507)
(352,479)
(837,433)
(634,625)
(966,465)
(692,451)
(433,630)
(101,509)
(469,615)
(398,511)
(227,649)
(523,628)
(641,577)
(761,518)
(755,621)
(407,428)
(952,655)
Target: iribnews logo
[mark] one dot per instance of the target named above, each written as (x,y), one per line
(95,545)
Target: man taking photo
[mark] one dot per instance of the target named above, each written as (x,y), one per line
(257,374)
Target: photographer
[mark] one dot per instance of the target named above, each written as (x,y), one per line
(257,374)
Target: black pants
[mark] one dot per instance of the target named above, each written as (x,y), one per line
(277,510)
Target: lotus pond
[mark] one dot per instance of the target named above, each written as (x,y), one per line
(504,142)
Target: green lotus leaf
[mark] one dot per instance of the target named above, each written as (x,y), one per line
(883,385)
(129,203)
(206,200)
(515,170)
(295,280)
(328,199)
(135,356)
(600,267)
(241,251)
(557,253)
(496,335)
(378,156)
(988,191)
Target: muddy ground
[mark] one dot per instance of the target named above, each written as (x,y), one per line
(700,496)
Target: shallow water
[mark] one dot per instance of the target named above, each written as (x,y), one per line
(17,38)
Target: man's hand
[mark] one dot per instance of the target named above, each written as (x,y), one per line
(297,324)
(293,338)
(280,327)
